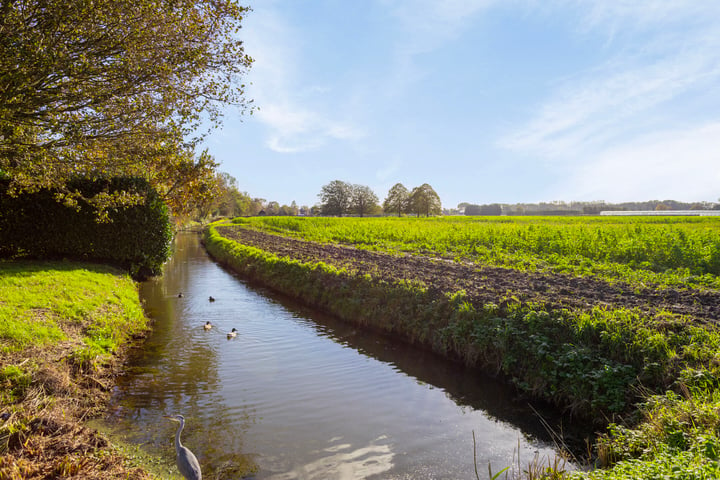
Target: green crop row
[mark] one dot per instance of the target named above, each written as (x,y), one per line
(680,251)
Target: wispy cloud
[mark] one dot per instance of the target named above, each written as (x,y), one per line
(601,106)
(610,15)
(427,24)
(589,112)
(293,111)
(621,128)
(294,129)
(678,164)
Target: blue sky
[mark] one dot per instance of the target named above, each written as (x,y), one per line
(488,101)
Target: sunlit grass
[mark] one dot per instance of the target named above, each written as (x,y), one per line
(42,302)
(677,439)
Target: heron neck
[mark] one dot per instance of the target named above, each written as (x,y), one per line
(178,445)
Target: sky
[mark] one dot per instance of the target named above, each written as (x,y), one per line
(488,101)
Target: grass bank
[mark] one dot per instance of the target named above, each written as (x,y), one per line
(651,375)
(63,330)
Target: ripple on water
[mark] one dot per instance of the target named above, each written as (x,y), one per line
(304,396)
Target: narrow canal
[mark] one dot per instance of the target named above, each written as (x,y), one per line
(298,395)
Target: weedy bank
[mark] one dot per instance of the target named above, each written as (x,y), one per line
(612,319)
(62,326)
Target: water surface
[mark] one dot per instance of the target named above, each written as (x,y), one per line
(299,395)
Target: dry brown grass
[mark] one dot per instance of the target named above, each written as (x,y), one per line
(42,434)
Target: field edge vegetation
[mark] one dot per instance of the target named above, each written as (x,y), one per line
(651,377)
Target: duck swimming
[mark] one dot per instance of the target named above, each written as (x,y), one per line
(207,325)
(212,299)
(232,333)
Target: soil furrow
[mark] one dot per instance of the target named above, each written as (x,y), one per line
(484,284)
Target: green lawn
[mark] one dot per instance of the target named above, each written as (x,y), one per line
(42,303)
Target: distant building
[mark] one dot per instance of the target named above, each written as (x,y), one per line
(658,213)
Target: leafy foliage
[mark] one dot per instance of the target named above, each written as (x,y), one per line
(398,200)
(336,197)
(363,200)
(113,87)
(425,201)
(136,238)
(186,183)
(339,198)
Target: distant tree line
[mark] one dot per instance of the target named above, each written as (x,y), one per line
(577,208)
(339,198)
(492,209)
(229,201)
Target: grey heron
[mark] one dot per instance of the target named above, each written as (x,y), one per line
(186,461)
(232,333)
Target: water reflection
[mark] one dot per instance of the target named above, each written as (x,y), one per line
(342,461)
(466,387)
(298,395)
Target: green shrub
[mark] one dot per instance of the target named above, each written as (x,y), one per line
(136,238)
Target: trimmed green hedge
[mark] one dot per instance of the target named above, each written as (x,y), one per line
(136,238)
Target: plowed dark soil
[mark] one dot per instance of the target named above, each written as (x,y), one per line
(485,284)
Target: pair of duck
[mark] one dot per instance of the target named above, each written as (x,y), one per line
(232,333)
(210,298)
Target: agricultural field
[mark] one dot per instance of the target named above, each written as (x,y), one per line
(677,251)
(613,319)
(488,284)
